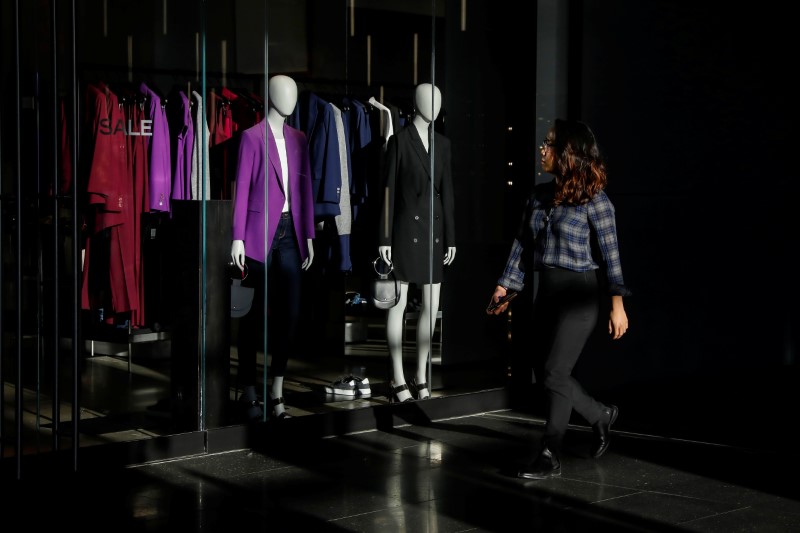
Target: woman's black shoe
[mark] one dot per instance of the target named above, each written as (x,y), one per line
(546,465)
(602,431)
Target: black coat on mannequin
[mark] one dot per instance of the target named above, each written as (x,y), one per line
(405,220)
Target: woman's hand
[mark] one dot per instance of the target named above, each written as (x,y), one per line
(499,292)
(618,321)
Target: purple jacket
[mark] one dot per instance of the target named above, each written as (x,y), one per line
(160,182)
(248,202)
(184,140)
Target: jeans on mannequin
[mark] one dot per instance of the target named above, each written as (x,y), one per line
(283,274)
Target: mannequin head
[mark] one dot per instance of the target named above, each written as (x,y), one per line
(428,101)
(282,94)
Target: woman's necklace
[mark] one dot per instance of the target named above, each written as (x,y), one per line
(548,214)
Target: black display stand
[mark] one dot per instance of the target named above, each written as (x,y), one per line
(186,274)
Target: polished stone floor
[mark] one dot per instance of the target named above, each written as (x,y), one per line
(449,475)
(670,467)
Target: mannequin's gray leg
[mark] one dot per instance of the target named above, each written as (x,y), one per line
(425,328)
(394,337)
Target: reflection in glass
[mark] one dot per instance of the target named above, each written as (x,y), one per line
(357,94)
(164,91)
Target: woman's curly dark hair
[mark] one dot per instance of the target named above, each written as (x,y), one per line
(581,168)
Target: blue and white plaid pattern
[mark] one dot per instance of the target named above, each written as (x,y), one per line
(562,239)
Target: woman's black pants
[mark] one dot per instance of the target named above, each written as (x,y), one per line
(565,314)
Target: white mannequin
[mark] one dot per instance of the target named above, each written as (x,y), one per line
(428,104)
(282,101)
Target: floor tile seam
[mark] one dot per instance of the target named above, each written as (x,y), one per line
(406,425)
(434,421)
(185,458)
(633,490)
(683,496)
(639,492)
(714,515)
(632,434)
(678,440)
(355,433)
(370,447)
(259,472)
(518,418)
(366,513)
(482,414)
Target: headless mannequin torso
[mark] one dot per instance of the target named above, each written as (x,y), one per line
(428,104)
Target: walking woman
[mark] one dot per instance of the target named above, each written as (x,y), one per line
(565,220)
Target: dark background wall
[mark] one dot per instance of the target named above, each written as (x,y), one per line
(692,107)
(697,125)
(696,118)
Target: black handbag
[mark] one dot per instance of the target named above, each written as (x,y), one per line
(241,297)
(385,289)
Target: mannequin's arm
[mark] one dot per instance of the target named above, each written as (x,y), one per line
(237,253)
(450,255)
(310,258)
(386,254)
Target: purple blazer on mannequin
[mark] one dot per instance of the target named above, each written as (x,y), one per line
(248,202)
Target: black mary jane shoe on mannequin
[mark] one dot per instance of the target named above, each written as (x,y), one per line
(421,391)
(394,397)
